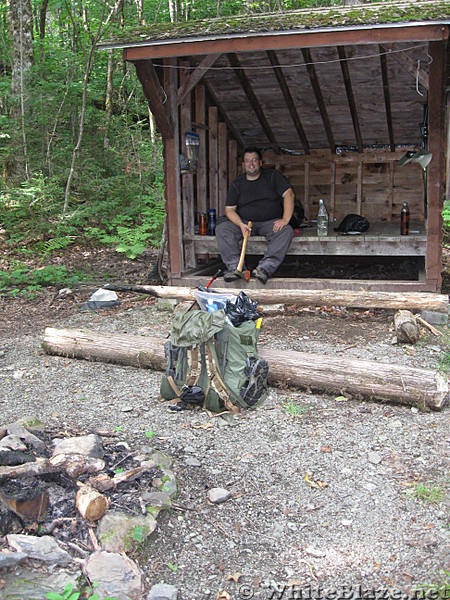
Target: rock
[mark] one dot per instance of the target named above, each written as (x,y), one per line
(115,574)
(162,460)
(25,435)
(119,531)
(126,409)
(11,559)
(346,522)
(3,431)
(374,458)
(156,502)
(163,591)
(218,495)
(168,483)
(395,424)
(45,548)
(315,552)
(191,461)
(26,584)
(87,445)
(13,442)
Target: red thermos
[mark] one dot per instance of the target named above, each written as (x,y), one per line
(404,219)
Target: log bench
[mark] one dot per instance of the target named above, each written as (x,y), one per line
(382,239)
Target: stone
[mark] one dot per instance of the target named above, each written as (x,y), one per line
(115,575)
(434,318)
(45,548)
(13,442)
(191,461)
(374,458)
(25,435)
(163,591)
(167,483)
(162,460)
(26,584)
(166,304)
(86,445)
(315,552)
(118,531)
(11,559)
(156,502)
(218,495)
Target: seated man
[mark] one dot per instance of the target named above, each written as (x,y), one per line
(266,198)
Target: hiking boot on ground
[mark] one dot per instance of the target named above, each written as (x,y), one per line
(230,276)
(256,385)
(260,274)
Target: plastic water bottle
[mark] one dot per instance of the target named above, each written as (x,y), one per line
(212,221)
(322,220)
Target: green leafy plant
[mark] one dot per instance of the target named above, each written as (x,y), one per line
(437,590)
(295,410)
(173,567)
(149,434)
(118,470)
(137,534)
(428,493)
(70,594)
(119,428)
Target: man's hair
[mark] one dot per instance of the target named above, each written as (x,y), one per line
(253,150)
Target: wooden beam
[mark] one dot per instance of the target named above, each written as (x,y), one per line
(382,34)
(333,192)
(391,190)
(435,170)
(190,82)
(155,96)
(232,160)
(171,175)
(223,168)
(387,98)
(350,97)
(200,118)
(288,99)
(319,97)
(223,114)
(407,63)
(359,189)
(187,179)
(213,158)
(254,102)
(306,197)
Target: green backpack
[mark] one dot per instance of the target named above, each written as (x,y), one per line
(212,363)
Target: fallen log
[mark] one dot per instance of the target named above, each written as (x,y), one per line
(72,465)
(405,327)
(361,378)
(351,299)
(90,503)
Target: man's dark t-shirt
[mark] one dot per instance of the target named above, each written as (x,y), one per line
(259,200)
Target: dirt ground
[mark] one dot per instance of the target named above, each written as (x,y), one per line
(322,495)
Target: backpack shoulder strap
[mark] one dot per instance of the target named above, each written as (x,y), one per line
(215,378)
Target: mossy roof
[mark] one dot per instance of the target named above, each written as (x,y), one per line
(334,17)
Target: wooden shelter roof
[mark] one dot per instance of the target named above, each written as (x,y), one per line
(333,78)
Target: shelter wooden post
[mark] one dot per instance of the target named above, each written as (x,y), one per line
(435,179)
(171,174)
(223,151)
(200,107)
(187,179)
(213,158)
(232,160)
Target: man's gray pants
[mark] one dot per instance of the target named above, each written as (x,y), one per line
(229,241)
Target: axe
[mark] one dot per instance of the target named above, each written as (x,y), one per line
(246,274)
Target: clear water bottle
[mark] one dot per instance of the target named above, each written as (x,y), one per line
(322,219)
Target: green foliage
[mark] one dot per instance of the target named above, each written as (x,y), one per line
(137,534)
(295,410)
(69,594)
(439,589)
(21,280)
(428,492)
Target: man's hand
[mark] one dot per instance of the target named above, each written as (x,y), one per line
(244,228)
(279,224)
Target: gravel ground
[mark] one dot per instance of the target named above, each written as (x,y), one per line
(326,492)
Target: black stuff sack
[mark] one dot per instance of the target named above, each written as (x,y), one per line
(353,224)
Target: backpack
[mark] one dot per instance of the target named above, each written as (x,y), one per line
(353,224)
(211,363)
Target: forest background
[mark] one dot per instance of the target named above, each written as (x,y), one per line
(80,158)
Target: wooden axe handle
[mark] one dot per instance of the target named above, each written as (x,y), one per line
(244,248)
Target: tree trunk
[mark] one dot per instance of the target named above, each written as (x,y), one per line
(360,378)
(386,300)
(108,100)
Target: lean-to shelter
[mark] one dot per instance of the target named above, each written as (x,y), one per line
(348,102)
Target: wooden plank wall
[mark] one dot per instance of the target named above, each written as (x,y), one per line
(371,184)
